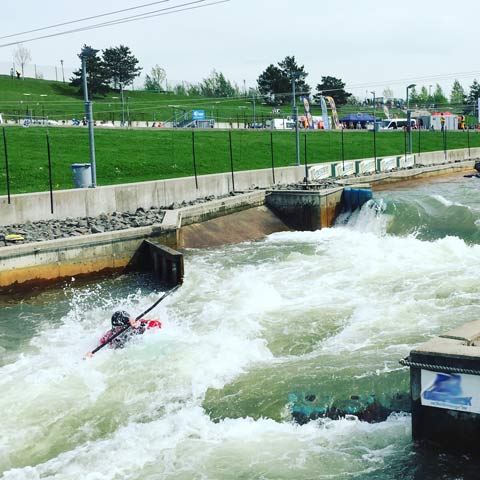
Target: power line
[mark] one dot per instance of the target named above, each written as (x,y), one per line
(82,19)
(126,20)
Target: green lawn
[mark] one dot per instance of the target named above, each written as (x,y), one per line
(124,156)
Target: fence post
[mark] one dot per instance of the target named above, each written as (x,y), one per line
(419,140)
(445,142)
(7,174)
(305,154)
(50,173)
(273,157)
(343,152)
(468,140)
(194,158)
(231,159)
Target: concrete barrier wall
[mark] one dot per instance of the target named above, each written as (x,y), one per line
(57,259)
(128,197)
(306,210)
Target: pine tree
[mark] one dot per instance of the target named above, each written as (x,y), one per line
(121,67)
(333,87)
(457,96)
(275,83)
(439,98)
(97,80)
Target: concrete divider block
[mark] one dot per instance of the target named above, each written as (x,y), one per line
(343,169)
(319,172)
(387,164)
(406,161)
(365,166)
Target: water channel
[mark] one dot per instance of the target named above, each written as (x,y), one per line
(254,326)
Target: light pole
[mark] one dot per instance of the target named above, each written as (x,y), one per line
(409,115)
(63,73)
(174,116)
(254,112)
(374,133)
(86,53)
(295,76)
(122,97)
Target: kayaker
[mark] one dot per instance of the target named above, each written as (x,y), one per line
(121,320)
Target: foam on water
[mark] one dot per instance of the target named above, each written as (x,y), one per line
(207,396)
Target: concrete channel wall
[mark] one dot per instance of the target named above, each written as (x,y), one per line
(91,202)
(306,210)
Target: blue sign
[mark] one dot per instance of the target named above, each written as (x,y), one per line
(198,114)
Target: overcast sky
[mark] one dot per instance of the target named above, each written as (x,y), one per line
(370,44)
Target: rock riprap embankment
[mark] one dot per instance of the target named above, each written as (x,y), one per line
(74,227)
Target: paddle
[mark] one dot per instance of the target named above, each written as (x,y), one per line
(124,329)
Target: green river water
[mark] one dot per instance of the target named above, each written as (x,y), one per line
(254,327)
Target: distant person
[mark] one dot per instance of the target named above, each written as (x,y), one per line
(12,73)
(18,74)
(442,122)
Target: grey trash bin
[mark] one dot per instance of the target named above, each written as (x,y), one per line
(82,175)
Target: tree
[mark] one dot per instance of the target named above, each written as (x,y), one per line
(423,97)
(121,67)
(333,87)
(412,96)
(22,56)
(272,83)
(353,100)
(439,98)
(275,83)
(97,80)
(216,85)
(473,96)
(457,96)
(155,79)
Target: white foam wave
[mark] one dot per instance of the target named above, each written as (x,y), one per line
(347,294)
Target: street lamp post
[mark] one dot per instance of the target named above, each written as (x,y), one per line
(88,52)
(374,133)
(122,97)
(174,115)
(254,111)
(409,115)
(295,76)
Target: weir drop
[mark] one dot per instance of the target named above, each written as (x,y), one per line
(255,328)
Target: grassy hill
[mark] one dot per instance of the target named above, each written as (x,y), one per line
(59,101)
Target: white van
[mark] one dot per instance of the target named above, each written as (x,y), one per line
(280,123)
(398,123)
